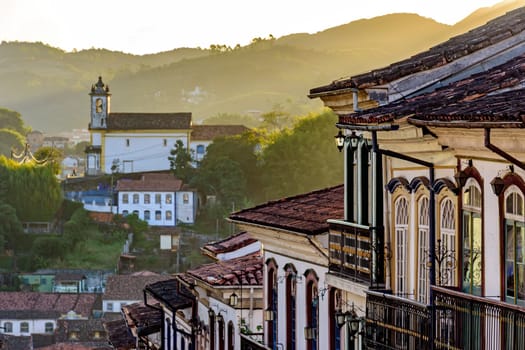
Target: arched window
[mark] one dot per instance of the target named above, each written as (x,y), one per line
(423,250)
(312,310)
(271,301)
(472,247)
(447,225)
(200,149)
(231,336)
(291,306)
(168,333)
(514,246)
(401,246)
(220,331)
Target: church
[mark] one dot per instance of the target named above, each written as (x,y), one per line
(141,142)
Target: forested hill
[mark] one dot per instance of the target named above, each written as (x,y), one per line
(50,87)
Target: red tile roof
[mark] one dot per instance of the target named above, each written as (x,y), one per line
(101,217)
(119,335)
(171,292)
(496,95)
(231,243)
(494,31)
(248,269)
(306,213)
(41,303)
(144,319)
(149,121)
(129,287)
(151,182)
(210,132)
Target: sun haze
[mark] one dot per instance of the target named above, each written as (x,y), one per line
(153,26)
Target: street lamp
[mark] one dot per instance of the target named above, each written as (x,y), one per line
(340,139)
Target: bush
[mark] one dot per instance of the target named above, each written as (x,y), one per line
(50,247)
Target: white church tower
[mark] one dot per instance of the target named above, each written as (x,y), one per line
(100,101)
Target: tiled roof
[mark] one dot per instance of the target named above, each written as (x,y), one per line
(248,269)
(151,182)
(230,243)
(496,95)
(149,121)
(16,342)
(144,319)
(128,287)
(85,331)
(171,292)
(210,132)
(33,302)
(101,217)
(305,213)
(494,31)
(119,335)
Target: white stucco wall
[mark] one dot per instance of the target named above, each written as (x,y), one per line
(35,326)
(185,209)
(153,207)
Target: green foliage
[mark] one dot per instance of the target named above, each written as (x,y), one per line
(50,247)
(181,162)
(233,119)
(68,208)
(10,226)
(52,156)
(13,121)
(32,190)
(302,159)
(9,140)
(75,229)
(136,225)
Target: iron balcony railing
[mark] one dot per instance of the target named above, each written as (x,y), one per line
(464,321)
(350,251)
(461,322)
(393,322)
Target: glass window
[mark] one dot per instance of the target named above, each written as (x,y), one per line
(471,239)
(125,198)
(157,198)
(136,212)
(49,327)
(447,275)
(423,250)
(124,213)
(185,198)
(127,142)
(8,327)
(168,215)
(514,247)
(135,198)
(147,215)
(200,149)
(158,215)
(110,306)
(168,198)
(24,327)
(165,142)
(147,197)
(401,230)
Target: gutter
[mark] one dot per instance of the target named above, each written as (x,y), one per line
(500,152)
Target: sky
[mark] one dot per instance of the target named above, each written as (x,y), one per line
(151,26)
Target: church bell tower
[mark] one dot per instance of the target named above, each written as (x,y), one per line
(100,98)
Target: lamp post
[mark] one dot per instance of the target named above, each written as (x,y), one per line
(352,324)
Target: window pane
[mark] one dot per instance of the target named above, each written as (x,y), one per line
(146,198)
(168,199)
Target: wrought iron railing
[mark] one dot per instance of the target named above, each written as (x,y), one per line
(350,251)
(393,322)
(464,321)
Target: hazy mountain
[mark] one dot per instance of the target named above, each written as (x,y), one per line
(50,87)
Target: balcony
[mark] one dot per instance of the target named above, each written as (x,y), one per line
(253,341)
(462,321)
(350,251)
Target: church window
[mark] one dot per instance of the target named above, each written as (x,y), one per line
(99,105)
(127,142)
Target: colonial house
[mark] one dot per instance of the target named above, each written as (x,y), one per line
(30,313)
(122,290)
(432,229)
(140,142)
(300,309)
(159,199)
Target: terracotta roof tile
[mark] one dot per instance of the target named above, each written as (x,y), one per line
(149,121)
(248,269)
(119,335)
(305,213)
(144,319)
(128,287)
(210,132)
(494,31)
(231,243)
(495,95)
(151,182)
(171,292)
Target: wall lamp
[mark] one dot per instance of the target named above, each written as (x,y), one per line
(310,333)
(340,139)
(268,315)
(350,319)
(498,184)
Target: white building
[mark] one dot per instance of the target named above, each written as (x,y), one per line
(158,199)
(140,142)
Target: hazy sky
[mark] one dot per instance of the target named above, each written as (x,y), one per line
(150,26)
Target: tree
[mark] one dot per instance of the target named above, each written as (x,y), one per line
(10,226)
(12,120)
(50,155)
(181,162)
(303,158)
(9,140)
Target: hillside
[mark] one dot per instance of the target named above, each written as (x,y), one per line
(50,87)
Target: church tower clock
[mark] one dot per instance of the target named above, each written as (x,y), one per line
(100,98)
